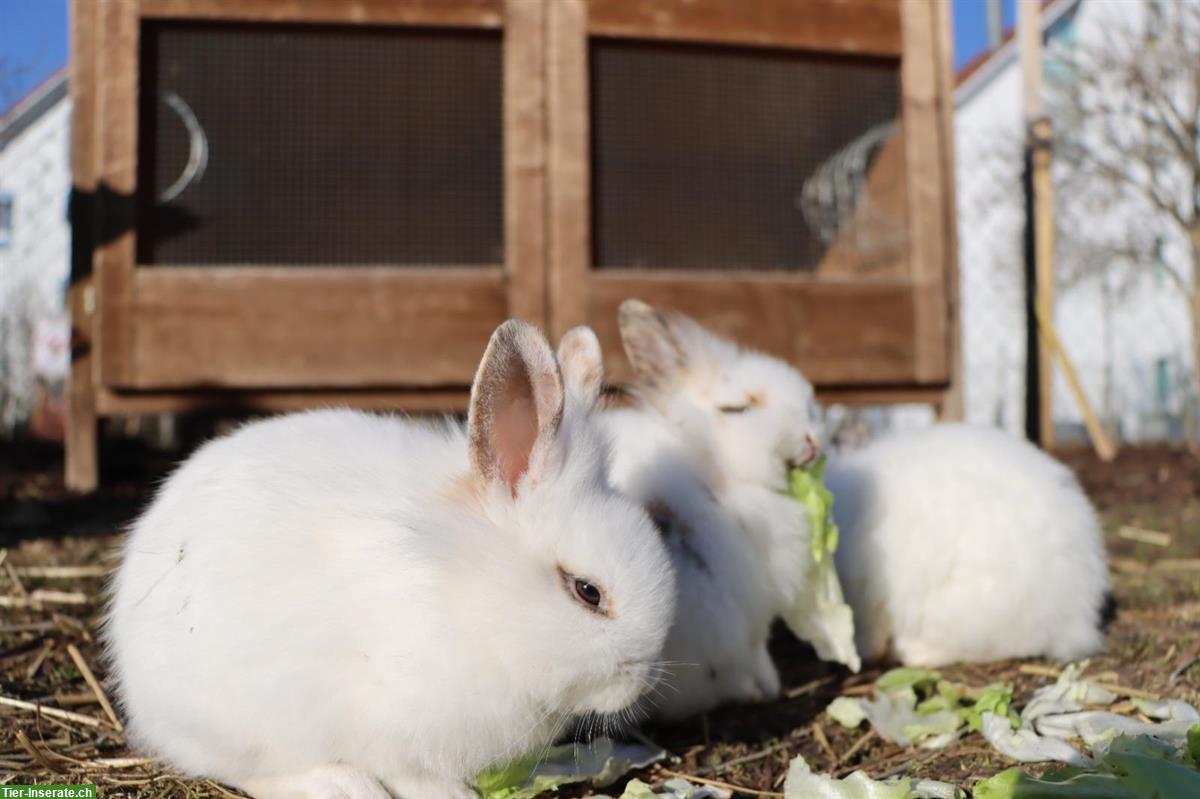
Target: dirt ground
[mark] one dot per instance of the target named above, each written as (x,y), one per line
(57,548)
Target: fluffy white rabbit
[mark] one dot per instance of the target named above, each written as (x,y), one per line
(957,542)
(338,604)
(742,419)
(716,651)
(962,543)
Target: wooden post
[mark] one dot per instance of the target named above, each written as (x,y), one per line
(525,159)
(1038,141)
(950,409)
(81,455)
(569,189)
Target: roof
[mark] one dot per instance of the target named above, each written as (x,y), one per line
(979,71)
(31,107)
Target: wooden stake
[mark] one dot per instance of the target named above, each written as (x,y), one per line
(1039,132)
(1105,449)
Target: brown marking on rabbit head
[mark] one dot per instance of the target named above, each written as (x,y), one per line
(651,346)
(582,362)
(464,490)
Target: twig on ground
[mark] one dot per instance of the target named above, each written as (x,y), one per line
(1107,680)
(750,758)
(121,762)
(729,786)
(63,572)
(94,684)
(29,627)
(819,736)
(33,668)
(1144,536)
(43,596)
(1183,667)
(858,690)
(858,746)
(1039,671)
(808,687)
(53,712)
(15,579)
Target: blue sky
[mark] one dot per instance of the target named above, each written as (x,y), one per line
(970,27)
(33,40)
(33,44)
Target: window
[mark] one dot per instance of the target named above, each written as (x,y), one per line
(6,219)
(1162,382)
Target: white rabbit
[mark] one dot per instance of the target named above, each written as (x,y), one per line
(717,648)
(338,604)
(963,543)
(742,419)
(957,543)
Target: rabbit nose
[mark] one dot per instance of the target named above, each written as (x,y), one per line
(812,448)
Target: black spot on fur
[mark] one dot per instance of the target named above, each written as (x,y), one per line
(712,674)
(1108,611)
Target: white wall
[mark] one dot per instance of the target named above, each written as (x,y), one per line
(1115,343)
(35,172)
(987,136)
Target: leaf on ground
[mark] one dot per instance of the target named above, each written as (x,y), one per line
(601,763)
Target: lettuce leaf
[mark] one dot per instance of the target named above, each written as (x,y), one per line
(820,614)
(601,762)
(1137,767)
(802,783)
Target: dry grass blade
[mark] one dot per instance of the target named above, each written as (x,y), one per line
(1038,671)
(1107,680)
(729,786)
(809,687)
(63,572)
(818,733)
(42,597)
(52,712)
(34,751)
(121,762)
(94,684)
(223,791)
(1178,564)
(858,746)
(753,756)
(15,579)
(859,690)
(1143,536)
(36,665)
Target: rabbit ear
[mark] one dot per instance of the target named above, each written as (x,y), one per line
(582,362)
(516,403)
(651,345)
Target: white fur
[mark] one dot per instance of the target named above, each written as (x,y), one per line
(722,472)
(329,602)
(716,651)
(966,543)
(956,543)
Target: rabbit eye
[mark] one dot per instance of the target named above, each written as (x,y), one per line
(588,594)
(585,592)
(733,408)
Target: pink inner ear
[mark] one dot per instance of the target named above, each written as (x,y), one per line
(515,428)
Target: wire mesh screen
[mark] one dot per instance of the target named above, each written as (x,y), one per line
(293,144)
(710,157)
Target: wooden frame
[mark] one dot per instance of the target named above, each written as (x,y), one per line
(902,333)
(268,327)
(257,337)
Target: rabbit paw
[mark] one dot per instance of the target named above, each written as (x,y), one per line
(423,786)
(327,782)
(766,676)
